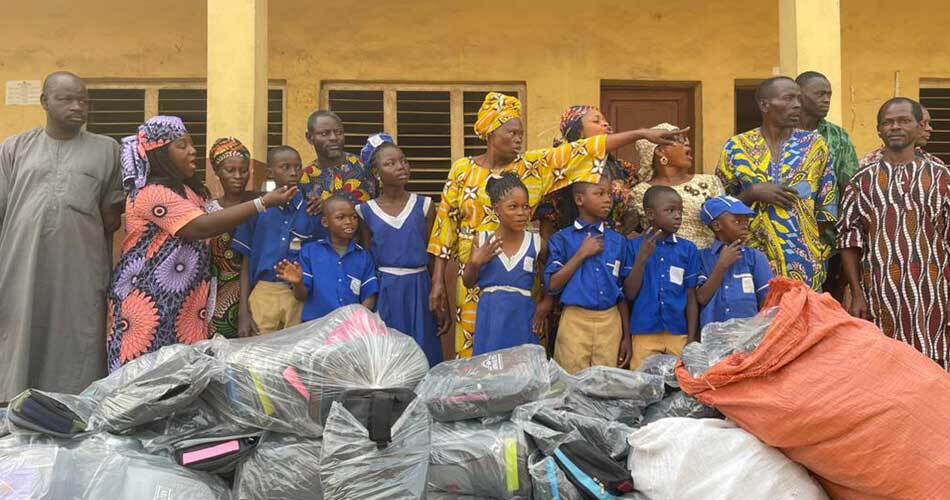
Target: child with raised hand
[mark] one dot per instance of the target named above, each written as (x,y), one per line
(587,266)
(335,271)
(396,227)
(504,266)
(733,279)
(267,304)
(662,284)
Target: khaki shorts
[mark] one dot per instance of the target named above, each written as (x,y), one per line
(274,307)
(588,338)
(645,346)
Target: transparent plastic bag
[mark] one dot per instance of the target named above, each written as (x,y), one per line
(353,466)
(99,467)
(721,340)
(549,481)
(663,365)
(609,436)
(50,413)
(678,404)
(199,420)
(283,467)
(150,388)
(471,458)
(286,381)
(486,385)
(709,459)
(609,393)
(695,359)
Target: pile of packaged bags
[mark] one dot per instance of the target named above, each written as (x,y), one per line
(814,404)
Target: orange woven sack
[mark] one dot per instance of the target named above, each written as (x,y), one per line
(868,415)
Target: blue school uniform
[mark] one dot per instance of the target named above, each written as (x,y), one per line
(660,307)
(597,285)
(744,286)
(277,234)
(505,306)
(335,280)
(399,249)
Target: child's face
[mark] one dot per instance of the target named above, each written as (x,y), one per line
(730,227)
(392,166)
(595,200)
(667,214)
(285,168)
(340,219)
(513,210)
(233,174)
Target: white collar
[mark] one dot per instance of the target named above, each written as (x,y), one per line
(397,221)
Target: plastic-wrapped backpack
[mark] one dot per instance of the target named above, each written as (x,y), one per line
(471,458)
(283,467)
(485,385)
(286,381)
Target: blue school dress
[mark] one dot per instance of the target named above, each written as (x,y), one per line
(506,307)
(399,247)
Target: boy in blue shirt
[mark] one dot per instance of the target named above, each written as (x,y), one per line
(662,283)
(276,234)
(733,280)
(334,271)
(587,265)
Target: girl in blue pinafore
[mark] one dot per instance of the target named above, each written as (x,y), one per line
(396,228)
(504,266)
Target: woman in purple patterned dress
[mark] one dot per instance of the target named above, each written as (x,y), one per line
(161,286)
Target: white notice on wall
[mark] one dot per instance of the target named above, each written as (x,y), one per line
(23,92)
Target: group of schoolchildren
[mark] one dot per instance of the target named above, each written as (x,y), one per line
(623,300)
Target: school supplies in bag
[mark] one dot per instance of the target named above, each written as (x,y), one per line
(54,414)
(472,458)
(548,481)
(217,455)
(354,466)
(486,385)
(282,467)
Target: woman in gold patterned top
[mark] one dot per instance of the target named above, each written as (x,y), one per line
(671,165)
(465,208)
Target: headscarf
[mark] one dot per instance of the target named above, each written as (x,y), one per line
(495,111)
(372,144)
(571,123)
(227,147)
(153,134)
(646,150)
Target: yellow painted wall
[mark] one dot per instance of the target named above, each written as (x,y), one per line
(560,49)
(880,38)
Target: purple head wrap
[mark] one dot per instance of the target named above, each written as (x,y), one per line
(153,134)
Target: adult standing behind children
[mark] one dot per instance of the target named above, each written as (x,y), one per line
(733,279)
(787,177)
(60,195)
(333,170)
(231,162)
(662,283)
(396,227)
(672,165)
(587,265)
(267,303)
(161,286)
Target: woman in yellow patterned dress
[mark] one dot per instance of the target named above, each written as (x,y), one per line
(465,208)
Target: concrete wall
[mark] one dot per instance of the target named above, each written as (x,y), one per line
(562,50)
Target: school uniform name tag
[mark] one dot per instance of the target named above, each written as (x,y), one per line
(676,275)
(295,245)
(355,286)
(529,264)
(747,285)
(616,269)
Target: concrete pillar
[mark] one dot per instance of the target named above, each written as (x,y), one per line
(810,39)
(237,80)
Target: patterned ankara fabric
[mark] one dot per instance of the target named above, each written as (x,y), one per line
(789,238)
(899,216)
(351,178)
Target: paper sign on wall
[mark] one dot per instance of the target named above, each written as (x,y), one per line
(23,92)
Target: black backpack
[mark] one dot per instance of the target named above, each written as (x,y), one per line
(376,409)
(589,468)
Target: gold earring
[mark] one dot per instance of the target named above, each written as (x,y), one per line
(664,160)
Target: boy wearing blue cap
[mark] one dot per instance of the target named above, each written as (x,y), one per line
(733,280)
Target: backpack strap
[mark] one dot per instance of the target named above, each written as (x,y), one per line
(381,419)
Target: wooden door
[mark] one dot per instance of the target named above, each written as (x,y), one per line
(636,106)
